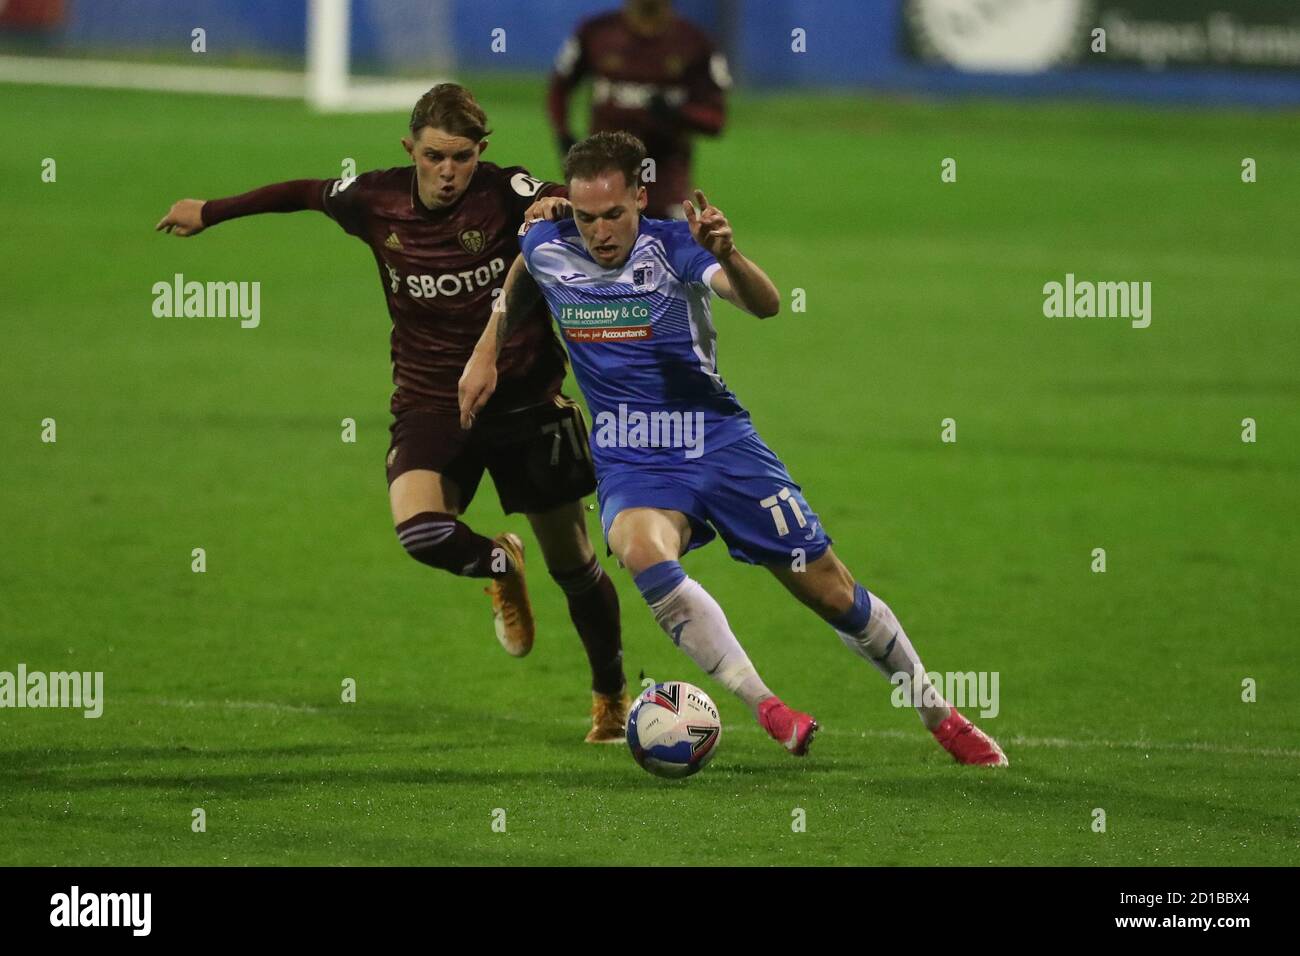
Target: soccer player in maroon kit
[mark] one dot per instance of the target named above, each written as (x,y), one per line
(655,75)
(443,233)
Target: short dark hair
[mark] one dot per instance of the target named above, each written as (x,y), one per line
(451,108)
(604,152)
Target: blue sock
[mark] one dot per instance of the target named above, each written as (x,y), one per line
(659,580)
(854,620)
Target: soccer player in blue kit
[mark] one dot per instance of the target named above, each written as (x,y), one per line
(677,457)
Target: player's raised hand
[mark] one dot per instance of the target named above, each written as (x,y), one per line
(477,383)
(551,208)
(709,227)
(185,218)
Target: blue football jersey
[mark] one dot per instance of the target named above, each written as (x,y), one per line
(641,340)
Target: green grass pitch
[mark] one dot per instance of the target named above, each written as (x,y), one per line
(1119,690)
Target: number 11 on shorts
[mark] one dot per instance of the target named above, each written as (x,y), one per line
(773,504)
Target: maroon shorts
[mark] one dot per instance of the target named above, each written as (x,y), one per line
(538,456)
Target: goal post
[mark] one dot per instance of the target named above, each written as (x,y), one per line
(328,60)
(310,51)
(331,85)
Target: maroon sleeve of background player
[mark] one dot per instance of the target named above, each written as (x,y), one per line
(706,110)
(570,67)
(291,196)
(557,104)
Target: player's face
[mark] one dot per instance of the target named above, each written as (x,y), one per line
(444,164)
(607,210)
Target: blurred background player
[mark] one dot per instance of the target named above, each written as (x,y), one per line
(655,75)
(443,233)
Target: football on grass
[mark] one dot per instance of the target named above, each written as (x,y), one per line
(673,729)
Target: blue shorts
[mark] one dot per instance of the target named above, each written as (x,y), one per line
(743,491)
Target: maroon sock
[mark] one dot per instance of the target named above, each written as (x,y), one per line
(440,541)
(593,606)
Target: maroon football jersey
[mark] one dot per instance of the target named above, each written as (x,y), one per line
(680,66)
(440,269)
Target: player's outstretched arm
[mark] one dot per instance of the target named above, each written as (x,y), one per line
(739,281)
(479,380)
(570,67)
(189,217)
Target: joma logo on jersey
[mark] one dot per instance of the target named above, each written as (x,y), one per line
(448,283)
